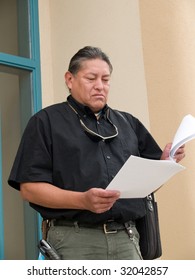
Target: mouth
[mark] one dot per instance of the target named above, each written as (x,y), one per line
(98,95)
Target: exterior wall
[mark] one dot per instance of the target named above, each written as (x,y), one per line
(68,25)
(168,48)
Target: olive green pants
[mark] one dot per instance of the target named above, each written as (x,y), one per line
(80,243)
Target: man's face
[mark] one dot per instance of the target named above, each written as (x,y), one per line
(90,86)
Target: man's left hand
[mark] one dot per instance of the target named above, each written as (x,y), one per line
(179,155)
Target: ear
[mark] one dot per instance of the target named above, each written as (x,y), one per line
(68,79)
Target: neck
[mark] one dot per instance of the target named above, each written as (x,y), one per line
(98,114)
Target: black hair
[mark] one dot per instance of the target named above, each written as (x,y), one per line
(87,53)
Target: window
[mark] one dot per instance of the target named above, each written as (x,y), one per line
(20,97)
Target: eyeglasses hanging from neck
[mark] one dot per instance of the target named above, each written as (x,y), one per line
(92,134)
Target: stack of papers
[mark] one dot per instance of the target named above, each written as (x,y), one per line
(139,177)
(185,133)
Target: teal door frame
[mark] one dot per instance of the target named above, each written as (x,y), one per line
(1,203)
(32,64)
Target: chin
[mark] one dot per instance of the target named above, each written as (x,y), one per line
(98,107)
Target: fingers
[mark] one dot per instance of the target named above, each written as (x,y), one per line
(168,147)
(180,154)
(100,200)
(105,200)
(166,151)
(102,208)
(181,150)
(106,194)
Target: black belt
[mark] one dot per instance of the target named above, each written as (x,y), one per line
(107,227)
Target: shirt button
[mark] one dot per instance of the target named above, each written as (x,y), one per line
(108,157)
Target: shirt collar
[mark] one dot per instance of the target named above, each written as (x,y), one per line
(84,110)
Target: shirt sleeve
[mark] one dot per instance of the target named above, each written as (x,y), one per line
(33,162)
(148,147)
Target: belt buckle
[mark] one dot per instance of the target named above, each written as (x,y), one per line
(106,231)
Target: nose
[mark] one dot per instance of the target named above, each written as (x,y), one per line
(99,84)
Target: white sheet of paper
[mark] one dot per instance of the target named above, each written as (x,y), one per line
(139,177)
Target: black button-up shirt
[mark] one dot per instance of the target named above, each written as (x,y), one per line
(55,148)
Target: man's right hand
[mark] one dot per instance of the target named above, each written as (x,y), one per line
(99,200)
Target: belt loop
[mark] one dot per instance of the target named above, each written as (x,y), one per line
(76,226)
(44,228)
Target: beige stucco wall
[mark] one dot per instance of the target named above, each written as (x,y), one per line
(68,25)
(166,41)
(168,29)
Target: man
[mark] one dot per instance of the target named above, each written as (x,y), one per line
(68,155)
